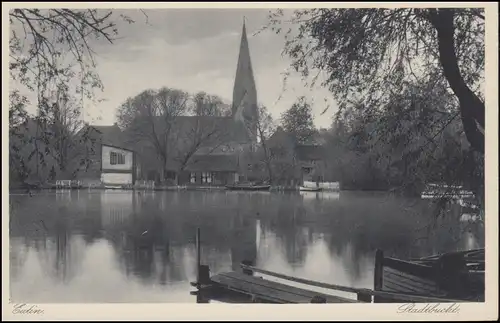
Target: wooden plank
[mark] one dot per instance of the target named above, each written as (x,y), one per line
(411,281)
(300,291)
(268,294)
(272,291)
(411,268)
(310,282)
(279,286)
(377,293)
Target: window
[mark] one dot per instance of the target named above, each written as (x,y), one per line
(192,178)
(206,177)
(116,158)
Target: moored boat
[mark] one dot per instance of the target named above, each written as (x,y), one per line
(453,275)
(310,189)
(248,187)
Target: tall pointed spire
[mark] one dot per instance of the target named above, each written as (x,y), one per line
(244,92)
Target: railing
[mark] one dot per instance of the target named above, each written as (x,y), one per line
(144,184)
(68,183)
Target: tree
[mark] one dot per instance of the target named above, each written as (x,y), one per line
(298,120)
(368,56)
(61,136)
(374,52)
(150,118)
(52,50)
(209,105)
(201,135)
(160,120)
(265,128)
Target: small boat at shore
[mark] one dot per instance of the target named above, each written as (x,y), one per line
(248,187)
(453,275)
(437,191)
(310,189)
(113,187)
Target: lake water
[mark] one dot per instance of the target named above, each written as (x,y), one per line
(123,246)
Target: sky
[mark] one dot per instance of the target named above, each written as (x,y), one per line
(196,50)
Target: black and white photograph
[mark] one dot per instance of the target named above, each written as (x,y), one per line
(250,155)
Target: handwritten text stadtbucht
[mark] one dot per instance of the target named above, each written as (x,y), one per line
(437,308)
(26,309)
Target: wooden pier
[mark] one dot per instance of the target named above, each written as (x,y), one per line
(395,282)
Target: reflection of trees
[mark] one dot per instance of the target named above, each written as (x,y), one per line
(46,222)
(141,241)
(152,234)
(355,225)
(287,220)
(18,253)
(243,241)
(90,218)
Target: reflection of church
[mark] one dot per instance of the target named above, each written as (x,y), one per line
(243,240)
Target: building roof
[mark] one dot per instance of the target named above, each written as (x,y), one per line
(206,130)
(225,129)
(309,152)
(281,136)
(110,135)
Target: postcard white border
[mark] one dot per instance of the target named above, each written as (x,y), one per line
(468,312)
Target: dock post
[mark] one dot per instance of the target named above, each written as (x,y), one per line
(198,254)
(245,270)
(364,297)
(318,299)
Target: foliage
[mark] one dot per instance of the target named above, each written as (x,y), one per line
(298,120)
(409,86)
(149,118)
(371,53)
(265,128)
(415,139)
(153,120)
(209,105)
(51,57)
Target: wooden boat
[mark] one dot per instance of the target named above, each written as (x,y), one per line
(453,192)
(310,189)
(248,187)
(454,275)
(113,187)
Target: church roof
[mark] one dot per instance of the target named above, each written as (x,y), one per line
(213,163)
(213,130)
(244,83)
(225,129)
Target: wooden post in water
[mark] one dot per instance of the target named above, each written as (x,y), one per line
(198,255)
(247,271)
(202,271)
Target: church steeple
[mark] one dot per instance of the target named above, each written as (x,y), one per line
(244,106)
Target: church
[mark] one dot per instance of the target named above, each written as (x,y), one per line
(215,150)
(224,159)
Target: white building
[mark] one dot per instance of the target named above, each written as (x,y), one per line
(117,165)
(110,163)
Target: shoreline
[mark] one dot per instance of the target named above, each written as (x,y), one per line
(18,190)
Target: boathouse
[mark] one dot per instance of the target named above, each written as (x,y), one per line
(111,162)
(117,165)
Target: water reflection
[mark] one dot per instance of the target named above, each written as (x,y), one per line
(112,246)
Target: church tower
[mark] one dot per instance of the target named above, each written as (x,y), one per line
(244,108)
